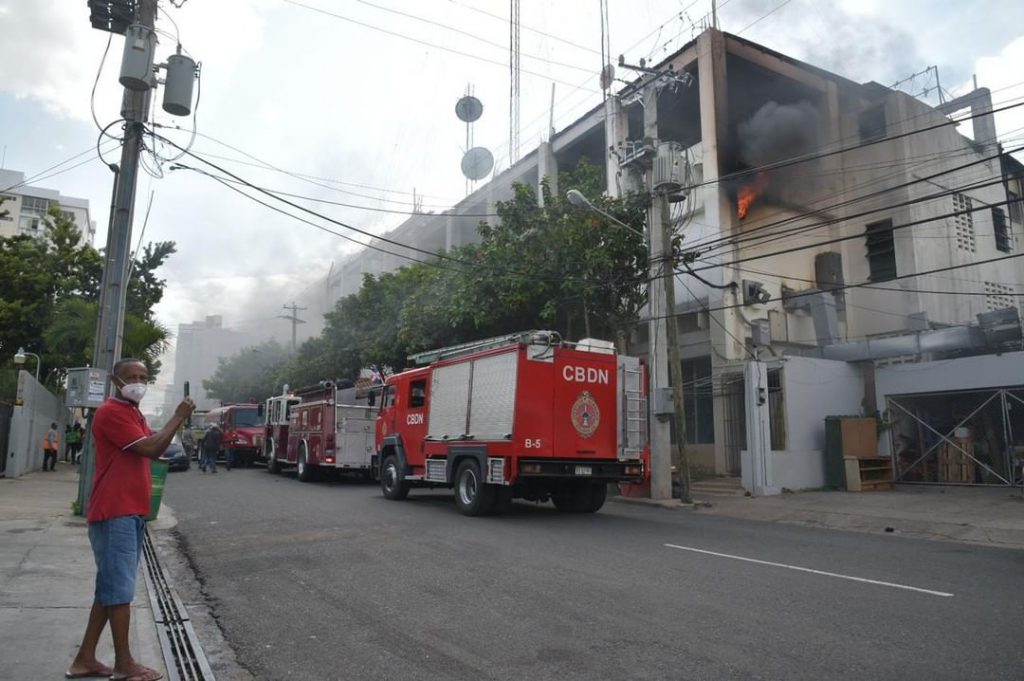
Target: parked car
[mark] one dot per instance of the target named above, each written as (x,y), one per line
(176,457)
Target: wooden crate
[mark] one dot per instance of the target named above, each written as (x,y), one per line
(954,465)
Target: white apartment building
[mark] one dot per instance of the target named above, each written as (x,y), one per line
(198,347)
(27,206)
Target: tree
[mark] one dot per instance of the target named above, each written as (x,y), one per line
(557,267)
(50,287)
(250,375)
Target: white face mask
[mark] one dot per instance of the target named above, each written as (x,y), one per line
(134,391)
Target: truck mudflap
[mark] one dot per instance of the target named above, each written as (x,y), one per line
(602,470)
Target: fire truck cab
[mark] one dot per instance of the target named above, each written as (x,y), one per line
(242,430)
(523,416)
(276,415)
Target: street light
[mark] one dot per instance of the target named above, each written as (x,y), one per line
(19,359)
(576,198)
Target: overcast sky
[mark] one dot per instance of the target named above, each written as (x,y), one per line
(359,98)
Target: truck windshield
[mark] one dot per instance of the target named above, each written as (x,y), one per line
(246,418)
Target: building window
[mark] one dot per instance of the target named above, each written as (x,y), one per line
(998,296)
(698,401)
(872,124)
(881,250)
(28,224)
(1016,209)
(1001,230)
(34,204)
(963,222)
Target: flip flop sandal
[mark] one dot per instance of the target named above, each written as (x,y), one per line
(102,673)
(140,674)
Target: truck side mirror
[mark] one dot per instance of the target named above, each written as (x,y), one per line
(261,409)
(370,398)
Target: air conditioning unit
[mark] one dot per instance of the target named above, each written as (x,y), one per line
(669,168)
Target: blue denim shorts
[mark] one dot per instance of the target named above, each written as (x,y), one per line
(117,548)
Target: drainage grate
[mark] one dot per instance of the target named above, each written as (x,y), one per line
(183,656)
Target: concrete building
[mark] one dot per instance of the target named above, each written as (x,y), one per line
(863,211)
(198,346)
(27,206)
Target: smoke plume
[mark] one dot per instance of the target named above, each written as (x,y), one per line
(777,132)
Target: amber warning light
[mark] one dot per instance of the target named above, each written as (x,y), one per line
(748,193)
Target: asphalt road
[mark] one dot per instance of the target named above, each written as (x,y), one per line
(331,581)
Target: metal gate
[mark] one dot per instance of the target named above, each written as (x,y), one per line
(967,437)
(734,421)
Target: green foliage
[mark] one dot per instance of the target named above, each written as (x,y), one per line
(251,375)
(50,287)
(556,267)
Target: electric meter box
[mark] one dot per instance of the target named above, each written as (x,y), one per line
(86,388)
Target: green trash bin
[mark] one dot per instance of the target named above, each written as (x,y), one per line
(158,470)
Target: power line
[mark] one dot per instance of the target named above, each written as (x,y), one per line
(342,204)
(869,284)
(851,236)
(421,42)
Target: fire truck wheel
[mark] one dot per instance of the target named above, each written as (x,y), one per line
(598,494)
(473,497)
(391,484)
(573,497)
(303,471)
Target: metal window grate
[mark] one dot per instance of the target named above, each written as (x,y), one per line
(963,223)
(998,296)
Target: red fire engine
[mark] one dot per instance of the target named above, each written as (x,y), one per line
(276,414)
(242,428)
(524,416)
(325,435)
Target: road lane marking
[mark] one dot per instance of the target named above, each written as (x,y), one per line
(812,571)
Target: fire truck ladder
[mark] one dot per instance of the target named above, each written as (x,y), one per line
(546,338)
(634,412)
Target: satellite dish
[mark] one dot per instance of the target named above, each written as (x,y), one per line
(607,76)
(477,163)
(469,109)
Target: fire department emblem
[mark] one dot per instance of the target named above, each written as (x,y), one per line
(585,415)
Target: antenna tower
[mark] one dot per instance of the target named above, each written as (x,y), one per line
(513,99)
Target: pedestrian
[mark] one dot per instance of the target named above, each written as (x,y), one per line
(50,442)
(80,441)
(73,442)
(120,499)
(210,447)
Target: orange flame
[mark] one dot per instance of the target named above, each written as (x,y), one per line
(748,193)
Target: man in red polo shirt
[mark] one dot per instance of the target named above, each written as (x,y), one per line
(121,484)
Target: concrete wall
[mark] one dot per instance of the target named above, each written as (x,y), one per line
(966,373)
(29,424)
(812,390)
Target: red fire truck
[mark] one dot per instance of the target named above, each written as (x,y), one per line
(276,414)
(325,435)
(523,416)
(242,427)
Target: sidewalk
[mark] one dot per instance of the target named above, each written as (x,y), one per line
(975,515)
(46,581)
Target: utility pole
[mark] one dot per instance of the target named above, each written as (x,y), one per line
(293,317)
(662,332)
(114,287)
